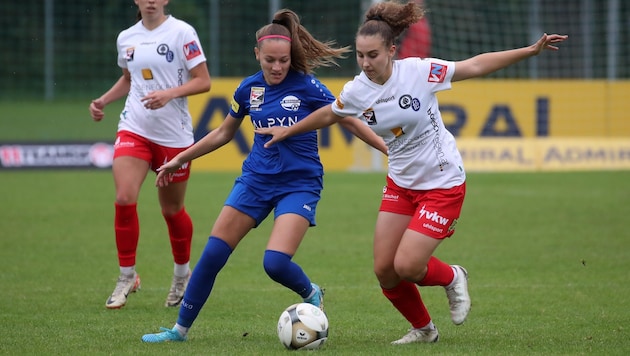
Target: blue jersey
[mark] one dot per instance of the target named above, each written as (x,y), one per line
(297,157)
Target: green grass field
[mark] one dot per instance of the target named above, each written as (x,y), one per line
(548,258)
(56,120)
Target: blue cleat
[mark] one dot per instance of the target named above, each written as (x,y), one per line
(317,298)
(165,336)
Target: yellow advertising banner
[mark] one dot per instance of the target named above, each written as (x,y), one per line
(544,154)
(501,125)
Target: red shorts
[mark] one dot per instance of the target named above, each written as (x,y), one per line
(436,211)
(130,144)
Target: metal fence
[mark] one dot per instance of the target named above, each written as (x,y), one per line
(66,48)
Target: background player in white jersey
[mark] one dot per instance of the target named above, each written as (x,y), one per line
(286,179)
(162,63)
(426,181)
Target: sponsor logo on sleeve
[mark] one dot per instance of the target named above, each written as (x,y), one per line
(437,74)
(339,104)
(191,50)
(234,105)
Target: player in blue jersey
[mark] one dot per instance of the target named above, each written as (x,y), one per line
(286,179)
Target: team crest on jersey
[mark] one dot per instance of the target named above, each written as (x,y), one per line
(129,53)
(370,116)
(415,104)
(191,50)
(163,50)
(406,102)
(290,103)
(438,73)
(256,97)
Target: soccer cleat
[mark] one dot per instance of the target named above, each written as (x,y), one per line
(418,335)
(165,336)
(458,298)
(176,293)
(317,299)
(124,286)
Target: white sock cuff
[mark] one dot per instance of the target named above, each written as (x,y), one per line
(181,270)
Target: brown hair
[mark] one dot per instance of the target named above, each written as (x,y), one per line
(307,53)
(389,19)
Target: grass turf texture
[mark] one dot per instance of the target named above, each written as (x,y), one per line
(56,121)
(547,256)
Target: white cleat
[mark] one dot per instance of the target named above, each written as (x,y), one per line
(176,293)
(124,286)
(458,298)
(418,335)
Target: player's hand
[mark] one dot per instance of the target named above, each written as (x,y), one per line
(156,99)
(96,109)
(547,42)
(165,172)
(277,133)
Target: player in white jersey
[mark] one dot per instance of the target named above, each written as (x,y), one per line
(426,181)
(162,63)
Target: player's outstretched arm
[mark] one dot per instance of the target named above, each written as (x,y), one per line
(363,132)
(490,62)
(210,142)
(316,120)
(165,172)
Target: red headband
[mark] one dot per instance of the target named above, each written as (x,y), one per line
(274,36)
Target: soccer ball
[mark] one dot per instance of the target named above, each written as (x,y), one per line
(302,326)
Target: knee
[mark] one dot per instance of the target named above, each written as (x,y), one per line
(385,274)
(126,199)
(409,270)
(275,263)
(172,208)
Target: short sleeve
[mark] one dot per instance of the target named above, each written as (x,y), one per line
(238,107)
(192,52)
(345,105)
(436,72)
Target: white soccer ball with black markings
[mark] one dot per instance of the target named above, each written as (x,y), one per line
(303,326)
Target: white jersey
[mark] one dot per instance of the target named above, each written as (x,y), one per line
(404,112)
(159,59)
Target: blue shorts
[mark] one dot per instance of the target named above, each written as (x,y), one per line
(259,202)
